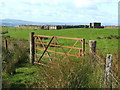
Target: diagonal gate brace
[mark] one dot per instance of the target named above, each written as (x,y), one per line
(46,48)
(46,51)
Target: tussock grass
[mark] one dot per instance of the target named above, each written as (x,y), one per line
(15,55)
(77,73)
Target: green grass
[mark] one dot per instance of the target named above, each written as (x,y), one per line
(104,45)
(24,76)
(66,74)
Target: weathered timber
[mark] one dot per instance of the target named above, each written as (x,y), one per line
(92,45)
(108,81)
(32,48)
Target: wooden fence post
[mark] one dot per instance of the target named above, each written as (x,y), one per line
(6,44)
(108,81)
(83,47)
(92,44)
(32,48)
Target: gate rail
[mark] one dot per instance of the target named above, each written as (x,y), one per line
(34,48)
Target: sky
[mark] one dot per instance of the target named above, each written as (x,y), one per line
(83,11)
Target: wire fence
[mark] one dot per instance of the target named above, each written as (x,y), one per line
(112,81)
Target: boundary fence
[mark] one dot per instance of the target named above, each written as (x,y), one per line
(111,74)
(110,80)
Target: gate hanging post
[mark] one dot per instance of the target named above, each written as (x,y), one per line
(108,81)
(92,44)
(83,47)
(32,48)
(6,44)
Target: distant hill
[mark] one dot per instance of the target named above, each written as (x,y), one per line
(15,23)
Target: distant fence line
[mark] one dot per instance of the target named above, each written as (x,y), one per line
(49,27)
(111,26)
(55,27)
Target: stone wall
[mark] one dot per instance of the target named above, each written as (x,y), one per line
(112,27)
(75,26)
(31,26)
(53,27)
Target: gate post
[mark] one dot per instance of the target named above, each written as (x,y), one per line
(32,48)
(92,44)
(83,47)
(6,44)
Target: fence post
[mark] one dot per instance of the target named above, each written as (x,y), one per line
(32,48)
(6,44)
(92,44)
(83,47)
(108,81)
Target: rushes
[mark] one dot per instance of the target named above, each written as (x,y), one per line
(73,74)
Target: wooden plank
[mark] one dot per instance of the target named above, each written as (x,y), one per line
(57,45)
(57,52)
(47,56)
(58,37)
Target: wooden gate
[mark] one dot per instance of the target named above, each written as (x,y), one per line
(50,47)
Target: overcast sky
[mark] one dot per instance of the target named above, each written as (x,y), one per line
(105,11)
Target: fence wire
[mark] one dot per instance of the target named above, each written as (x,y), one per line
(115,80)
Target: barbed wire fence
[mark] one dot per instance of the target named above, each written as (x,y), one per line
(109,78)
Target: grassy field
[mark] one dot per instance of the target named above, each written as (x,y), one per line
(104,45)
(79,73)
